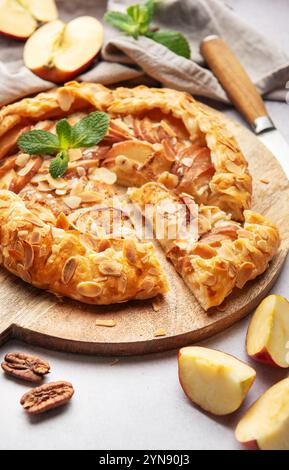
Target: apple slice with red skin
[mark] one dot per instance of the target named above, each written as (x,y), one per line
(43,10)
(20,18)
(58,51)
(265,425)
(268,332)
(214,380)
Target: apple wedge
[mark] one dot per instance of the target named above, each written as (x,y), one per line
(268,332)
(43,11)
(20,18)
(266,423)
(58,51)
(215,381)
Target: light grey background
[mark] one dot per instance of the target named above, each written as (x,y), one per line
(137,403)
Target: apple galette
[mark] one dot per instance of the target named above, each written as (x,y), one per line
(65,154)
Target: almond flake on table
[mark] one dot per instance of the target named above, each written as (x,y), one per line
(108,323)
(160,332)
(264,180)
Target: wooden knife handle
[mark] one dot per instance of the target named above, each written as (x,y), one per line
(236,82)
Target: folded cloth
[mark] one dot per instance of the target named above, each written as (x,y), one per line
(125,59)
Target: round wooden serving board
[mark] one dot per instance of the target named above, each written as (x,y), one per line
(39,318)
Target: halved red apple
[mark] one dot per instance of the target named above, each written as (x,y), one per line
(268,332)
(20,18)
(58,51)
(214,380)
(266,422)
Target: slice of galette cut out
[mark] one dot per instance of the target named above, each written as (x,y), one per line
(217,255)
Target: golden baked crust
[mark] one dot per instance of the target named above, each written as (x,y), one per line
(80,266)
(158,135)
(182,143)
(220,255)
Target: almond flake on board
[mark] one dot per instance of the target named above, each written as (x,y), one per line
(156,304)
(264,180)
(108,323)
(160,332)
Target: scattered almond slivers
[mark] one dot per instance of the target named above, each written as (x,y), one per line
(156,304)
(160,332)
(108,323)
(104,175)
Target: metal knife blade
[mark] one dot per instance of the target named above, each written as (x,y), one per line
(278,146)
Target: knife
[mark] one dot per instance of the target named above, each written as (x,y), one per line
(244,95)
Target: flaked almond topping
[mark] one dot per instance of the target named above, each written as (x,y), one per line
(89,289)
(22,159)
(38,177)
(153,271)
(122,283)
(262,245)
(60,192)
(168,179)
(168,129)
(147,285)
(108,323)
(129,251)
(25,170)
(110,268)
(72,201)
(56,183)
(100,279)
(68,270)
(74,154)
(77,188)
(264,180)
(43,187)
(57,232)
(91,196)
(160,332)
(65,99)
(233,168)
(104,175)
(28,255)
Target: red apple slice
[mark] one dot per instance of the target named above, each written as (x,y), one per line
(266,422)
(268,332)
(215,381)
(58,51)
(19,18)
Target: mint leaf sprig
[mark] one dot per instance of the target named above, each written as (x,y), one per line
(86,132)
(136,22)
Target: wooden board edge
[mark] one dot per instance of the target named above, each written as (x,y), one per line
(155,345)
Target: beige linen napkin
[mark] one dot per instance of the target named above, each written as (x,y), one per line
(124,58)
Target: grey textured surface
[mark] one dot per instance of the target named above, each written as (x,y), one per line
(137,403)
